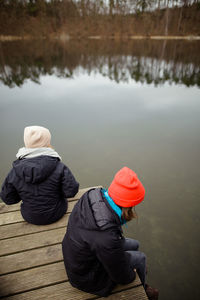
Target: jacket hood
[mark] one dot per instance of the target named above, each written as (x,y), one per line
(95,213)
(35,170)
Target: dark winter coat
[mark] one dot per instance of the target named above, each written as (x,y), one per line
(92,247)
(42,183)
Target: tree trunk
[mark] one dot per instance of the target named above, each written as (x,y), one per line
(180,19)
(167,18)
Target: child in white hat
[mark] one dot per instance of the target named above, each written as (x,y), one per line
(39,179)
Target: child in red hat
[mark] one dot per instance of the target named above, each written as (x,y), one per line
(96,255)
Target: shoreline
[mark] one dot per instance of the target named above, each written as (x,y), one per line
(66,37)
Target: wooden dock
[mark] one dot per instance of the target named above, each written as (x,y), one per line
(31,261)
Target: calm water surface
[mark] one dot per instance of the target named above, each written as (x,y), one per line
(113,104)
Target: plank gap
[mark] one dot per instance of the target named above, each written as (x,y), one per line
(33,267)
(51,229)
(26,250)
(5,212)
(34,289)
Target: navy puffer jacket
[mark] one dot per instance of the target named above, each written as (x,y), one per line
(42,183)
(93,246)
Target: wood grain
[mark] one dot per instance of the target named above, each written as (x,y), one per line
(64,290)
(24,228)
(31,241)
(31,279)
(29,259)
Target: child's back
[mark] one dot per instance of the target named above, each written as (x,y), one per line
(39,179)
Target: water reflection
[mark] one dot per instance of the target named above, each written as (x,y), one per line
(99,126)
(144,61)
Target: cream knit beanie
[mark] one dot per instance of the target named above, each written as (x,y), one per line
(36,137)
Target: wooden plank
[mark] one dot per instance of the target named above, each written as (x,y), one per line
(31,241)
(82,191)
(29,259)
(5,208)
(8,208)
(24,228)
(37,272)
(66,291)
(137,293)
(31,279)
(11,217)
(15,216)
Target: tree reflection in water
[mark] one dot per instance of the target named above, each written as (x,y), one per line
(144,61)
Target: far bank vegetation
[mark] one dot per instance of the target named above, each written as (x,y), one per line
(112,18)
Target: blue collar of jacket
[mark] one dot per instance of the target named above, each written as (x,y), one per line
(114,206)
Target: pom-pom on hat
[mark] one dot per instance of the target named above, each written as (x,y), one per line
(126,190)
(36,137)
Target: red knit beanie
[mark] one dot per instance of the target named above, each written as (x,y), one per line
(126,190)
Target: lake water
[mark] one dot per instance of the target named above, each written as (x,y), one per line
(113,104)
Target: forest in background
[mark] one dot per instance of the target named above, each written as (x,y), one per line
(111,18)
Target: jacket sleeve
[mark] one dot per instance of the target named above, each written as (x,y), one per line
(114,259)
(8,192)
(69,184)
